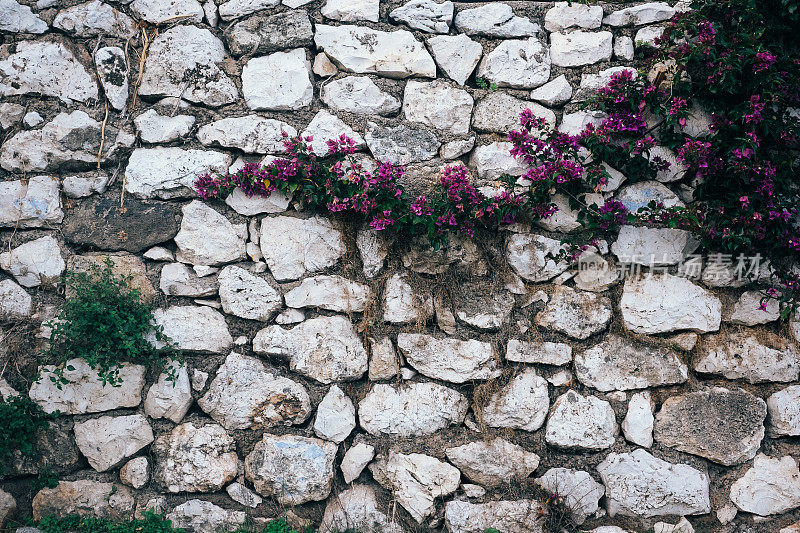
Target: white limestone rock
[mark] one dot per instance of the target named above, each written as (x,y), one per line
(246,295)
(648,36)
(758,359)
(403,304)
(293,247)
(583,422)
(35,262)
(494,20)
(402,144)
(356,509)
(208,238)
(278,82)
(578,490)
(358,94)
(577,314)
(618,363)
(195,328)
(575,123)
(83,185)
(269,32)
(202,516)
(564,15)
(276,202)
(84,392)
(246,394)
(595,273)
(95,18)
(159,11)
(336,416)
(411,410)
(449,359)
(492,160)
(784,411)
(579,48)
(663,303)
(771,486)
(325,126)
(383,362)
(499,112)
(373,247)
(355,460)
(532,256)
(326,349)
(363,50)
(543,352)
(591,82)
(494,463)
(155,128)
(351,10)
(640,485)
(565,219)
(251,134)
(748,311)
(233,9)
(641,14)
(104,500)
(639,194)
(16,18)
(34,204)
(554,93)
(10,114)
(519,64)
(639,420)
(112,70)
(333,293)
(623,47)
(170,172)
(653,246)
(178,280)
(15,302)
(241,494)
(107,441)
(438,105)
(292,469)
(425,15)
(521,404)
(515,516)
(48,68)
(456,55)
(480,308)
(135,473)
(170,398)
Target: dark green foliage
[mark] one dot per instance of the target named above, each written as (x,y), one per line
(20,419)
(47,478)
(106,323)
(151,523)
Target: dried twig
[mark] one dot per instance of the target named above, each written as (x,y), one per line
(102,136)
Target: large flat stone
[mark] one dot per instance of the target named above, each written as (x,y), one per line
(449,359)
(170,172)
(761,358)
(293,246)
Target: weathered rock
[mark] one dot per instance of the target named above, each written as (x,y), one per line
(241,494)
(280,81)
(351,10)
(653,246)
(246,295)
(251,134)
(276,202)
(578,490)
(233,9)
(178,280)
(84,392)
(725,426)
(517,516)
(16,18)
(34,263)
(577,314)
(748,309)
(641,14)
(494,463)
(517,64)
(15,302)
(743,355)
(204,517)
(85,498)
(639,194)
(208,238)
(356,509)
(414,409)
(355,460)
(621,364)
(481,308)
(246,394)
(169,172)
(403,304)
(494,20)
(584,422)
(49,68)
(333,293)
(293,247)
(112,70)
(265,33)
(135,473)
(170,398)
(71,141)
(580,48)
(416,480)
(95,18)
(107,441)
(156,11)
(383,362)
(449,359)
(155,128)
(373,247)
(82,185)
(544,352)
(662,303)
(336,416)
(358,94)
(640,485)
(771,486)
(327,126)
(575,123)
(532,256)
(456,55)
(564,15)
(555,92)
(184,62)
(639,420)
(460,252)
(326,349)
(425,15)
(522,404)
(195,328)
(10,114)
(363,50)
(784,411)
(493,160)
(195,458)
(438,105)
(294,470)
(402,144)
(595,273)
(499,112)
(623,48)
(593,82)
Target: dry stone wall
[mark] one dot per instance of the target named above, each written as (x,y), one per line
(333,375)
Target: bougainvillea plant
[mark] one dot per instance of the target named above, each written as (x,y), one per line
(735,59)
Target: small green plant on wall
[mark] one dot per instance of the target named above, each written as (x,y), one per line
(105,322)
(20,420)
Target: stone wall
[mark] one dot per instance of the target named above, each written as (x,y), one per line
(334,376)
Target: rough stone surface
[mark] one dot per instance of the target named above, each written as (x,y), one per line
(533,257)
(326,126)
(580,492)
(621,364)
(34,263)
(251,134)
(725,426)
(757,359)
(408,410)
(517,64)
(499,112)
(438,105)
(577,314)
(639,420)
(246,295)
(401,145)
(135,473)
(86,498)
(194,458)
(481,308)
(641,14)
(555,92)
(195,328)
(639,194)
(358,94)
(292,469)
(167,398)
(544,352)
(356,509)
(333,293)
(521,404)
(517,516)
(403,304)
(373,248)
(30,205)
(280,81)
(112,69)
(449,359)
(355,460)
(653,246)
(494,20)
(494,463)
(326,349)
(336,416)
(748,309)
(265,33)
(179,280)
(493,160)
(15,302)
(456,55)
(16,18)
(584,422)
(157,11)
(95,18)
(784,411)
(425,15)
(580,48)
(205,517)
(772,486)
(640,485)
(293,247)
(107,441)
(170,172)
(564,15)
